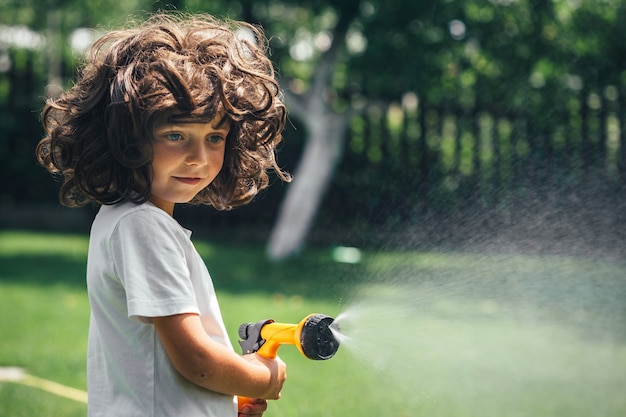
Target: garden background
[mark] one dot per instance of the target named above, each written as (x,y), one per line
(460,160)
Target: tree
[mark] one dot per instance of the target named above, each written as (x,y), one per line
(315,105)
(325,84)
(509,56)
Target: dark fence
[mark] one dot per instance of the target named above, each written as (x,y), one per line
(431,156)
(22,85)
(539,180)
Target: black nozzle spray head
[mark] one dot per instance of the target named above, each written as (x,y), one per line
(317,339)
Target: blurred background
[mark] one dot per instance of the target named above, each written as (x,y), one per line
(458,204)
(428,123)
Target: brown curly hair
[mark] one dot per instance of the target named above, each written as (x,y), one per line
(99,133)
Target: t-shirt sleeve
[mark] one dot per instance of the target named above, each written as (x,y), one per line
(150,261)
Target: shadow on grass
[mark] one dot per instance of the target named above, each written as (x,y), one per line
(244,269)
(43,270)
(235,269)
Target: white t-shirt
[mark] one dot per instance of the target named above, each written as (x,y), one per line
(142,264)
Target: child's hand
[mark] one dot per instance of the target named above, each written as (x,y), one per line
(251,406)
(277,370)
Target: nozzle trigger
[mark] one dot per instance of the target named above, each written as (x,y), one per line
(250,333)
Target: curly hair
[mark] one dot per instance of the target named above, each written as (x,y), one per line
(99,133)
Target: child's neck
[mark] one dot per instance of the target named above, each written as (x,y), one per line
(166,206)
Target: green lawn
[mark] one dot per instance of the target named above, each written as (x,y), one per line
(429,333)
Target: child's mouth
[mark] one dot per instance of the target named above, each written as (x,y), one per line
(189,181)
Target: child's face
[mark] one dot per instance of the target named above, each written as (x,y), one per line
(187,158)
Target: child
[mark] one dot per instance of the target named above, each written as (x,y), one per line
(178,110)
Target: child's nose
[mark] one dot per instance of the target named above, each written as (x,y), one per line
(198,154)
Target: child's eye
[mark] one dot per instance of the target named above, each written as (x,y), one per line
(174,137)
(215,138)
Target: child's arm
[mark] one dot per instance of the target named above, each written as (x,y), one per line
(212,365)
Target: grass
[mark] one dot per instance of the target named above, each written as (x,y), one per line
(432,334)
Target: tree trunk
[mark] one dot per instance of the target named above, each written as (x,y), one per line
(321,155)
(326,132)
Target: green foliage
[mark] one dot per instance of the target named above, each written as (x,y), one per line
(526,59)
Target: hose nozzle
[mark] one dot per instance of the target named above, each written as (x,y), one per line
(313,337)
